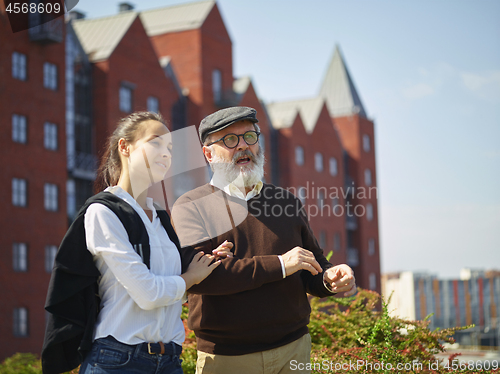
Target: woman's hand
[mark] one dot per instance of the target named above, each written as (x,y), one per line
(199,268)
(223,250)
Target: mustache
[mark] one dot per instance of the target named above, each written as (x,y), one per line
(240,154)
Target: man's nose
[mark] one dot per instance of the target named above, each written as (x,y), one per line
(242,144)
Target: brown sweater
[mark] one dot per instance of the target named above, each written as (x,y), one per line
(245,305)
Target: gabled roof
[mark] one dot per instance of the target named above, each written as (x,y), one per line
(99,37)
(176,18)
(240,87)
(338,89)
(283,114)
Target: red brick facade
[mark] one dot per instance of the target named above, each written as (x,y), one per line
(194,55)
(31,161)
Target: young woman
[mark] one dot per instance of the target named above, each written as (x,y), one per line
(138,327)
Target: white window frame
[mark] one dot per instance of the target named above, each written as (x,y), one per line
(19,192)
(322,239)
(125,98)
(50,76)
(371,247)
(333,164)
(299,155)
(153,104)
(51,195)
(372,281)
(368,177)
(20,323)
(19,66)
(50,136)
(19,129)
(20,257)
(217,85)
(50,256)
(366,143)
(337,242)
(301,194)
(318,162)
(321,200)
(369,212)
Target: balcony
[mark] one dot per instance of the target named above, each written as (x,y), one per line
(83,165)
(352,257)
(48,32)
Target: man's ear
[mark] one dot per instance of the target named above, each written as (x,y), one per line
(209,155)
(123,147)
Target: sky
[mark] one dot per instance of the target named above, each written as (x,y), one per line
(428,74)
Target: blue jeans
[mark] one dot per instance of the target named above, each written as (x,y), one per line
(109,356)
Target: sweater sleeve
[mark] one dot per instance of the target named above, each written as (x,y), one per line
(313,283)
(233,275)
(107,238)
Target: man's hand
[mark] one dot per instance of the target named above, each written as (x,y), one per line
(300,259)
(341,279)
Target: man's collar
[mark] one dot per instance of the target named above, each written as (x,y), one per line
(232,190)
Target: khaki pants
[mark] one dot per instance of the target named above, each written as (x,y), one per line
(273,361)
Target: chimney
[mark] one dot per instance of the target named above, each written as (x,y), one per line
(125,7)
(75,14)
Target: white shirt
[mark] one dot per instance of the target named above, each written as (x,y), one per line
(138,304)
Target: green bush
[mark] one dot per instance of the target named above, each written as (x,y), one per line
(349,335)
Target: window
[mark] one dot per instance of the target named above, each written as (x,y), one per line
(20,322)
(366,143)
(19,66)
(50,197)
(322,239)
(125,99)
(19,129)
(50,76)
(318,162)
(371,247)
(368,177)
(19,194)
(369,212)
(336,241)
(20,257)
(302,194)
(321,199)
(50,136)
(299,155)
(50,256)
(71,198)
(217,85)
(153,104)
(372,281)
(333,166)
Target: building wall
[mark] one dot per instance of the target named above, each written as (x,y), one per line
(133,61)
(32,224)
(351,130)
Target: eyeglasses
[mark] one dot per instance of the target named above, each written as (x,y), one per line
(232,140)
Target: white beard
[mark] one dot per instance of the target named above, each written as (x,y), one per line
(241,176)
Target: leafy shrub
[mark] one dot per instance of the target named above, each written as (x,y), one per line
(348,335)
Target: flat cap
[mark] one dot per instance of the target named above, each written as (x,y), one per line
(224,118)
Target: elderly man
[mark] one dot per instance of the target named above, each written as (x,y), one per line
(251,314)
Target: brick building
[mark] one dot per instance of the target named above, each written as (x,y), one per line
(61,95)
(33,170)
